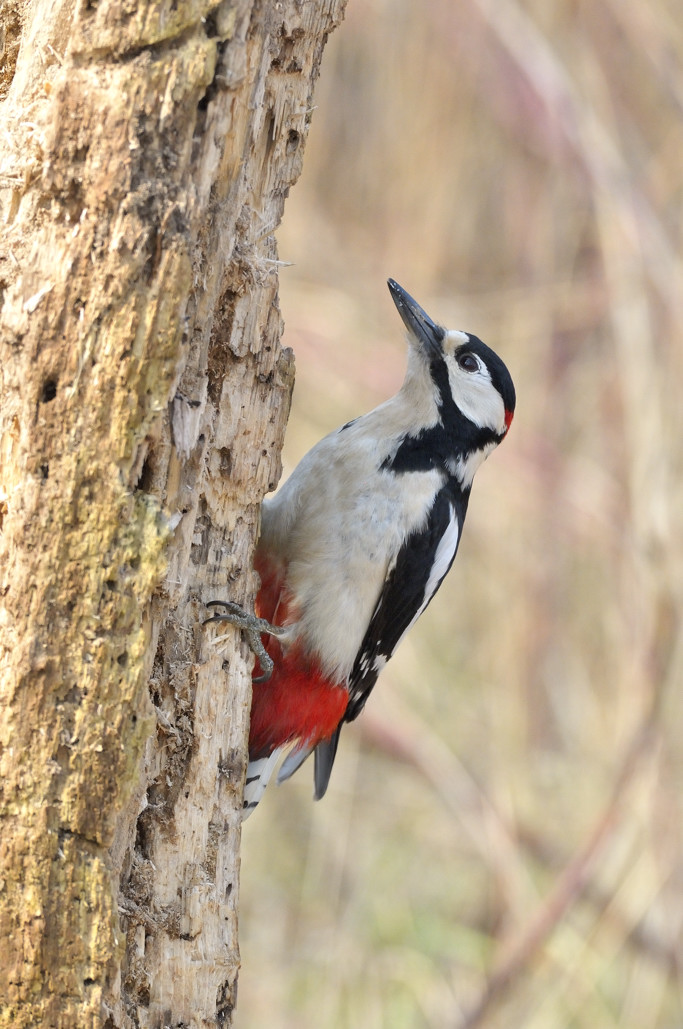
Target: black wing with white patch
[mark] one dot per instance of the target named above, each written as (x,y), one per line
(413,579)
(419,569)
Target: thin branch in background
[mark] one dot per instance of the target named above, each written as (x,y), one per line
(569,887)
(394,728)
(639,936)
(400,733)
(579,123)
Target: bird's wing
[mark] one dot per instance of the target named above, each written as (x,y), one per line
(412,580)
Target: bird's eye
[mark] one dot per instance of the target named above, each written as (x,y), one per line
(468,362)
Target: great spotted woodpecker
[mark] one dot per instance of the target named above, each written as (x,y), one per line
(358,540)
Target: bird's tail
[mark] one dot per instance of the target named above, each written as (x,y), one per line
(324,759)
(261,769)
(258,777)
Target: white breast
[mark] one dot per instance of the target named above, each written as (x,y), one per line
(339,523)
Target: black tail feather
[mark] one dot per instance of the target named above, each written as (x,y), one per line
(325,754)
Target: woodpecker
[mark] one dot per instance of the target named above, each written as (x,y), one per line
(358,540)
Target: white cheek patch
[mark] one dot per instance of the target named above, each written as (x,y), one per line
(477,397)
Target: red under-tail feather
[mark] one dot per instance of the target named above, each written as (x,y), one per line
(298,702)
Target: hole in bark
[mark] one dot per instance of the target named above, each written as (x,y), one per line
(110,584)
(226,461)
(210,26)
(49,390)
(122,659)
(211,91)
(292,141)
(74,695)
(146,478)
(44,471)
(142,843)
(219,77)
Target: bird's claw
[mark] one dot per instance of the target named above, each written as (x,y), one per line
(252,626)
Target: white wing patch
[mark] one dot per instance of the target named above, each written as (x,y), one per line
(443,559)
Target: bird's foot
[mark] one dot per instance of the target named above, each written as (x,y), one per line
(253,627)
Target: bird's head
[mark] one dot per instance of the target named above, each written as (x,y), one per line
(470,381)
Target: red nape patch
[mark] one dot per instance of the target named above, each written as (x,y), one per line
(297,702)
(509,415)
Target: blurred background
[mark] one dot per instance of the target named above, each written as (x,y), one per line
(502,841)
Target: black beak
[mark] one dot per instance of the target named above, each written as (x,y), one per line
(417,322)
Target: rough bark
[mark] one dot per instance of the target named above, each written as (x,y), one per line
(147,151)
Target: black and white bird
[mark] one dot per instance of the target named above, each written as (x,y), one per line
(358,540)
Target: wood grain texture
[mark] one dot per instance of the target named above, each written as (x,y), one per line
(149,150)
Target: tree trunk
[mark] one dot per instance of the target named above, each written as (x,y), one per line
(147,151)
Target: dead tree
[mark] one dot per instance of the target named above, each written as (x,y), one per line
(145,156)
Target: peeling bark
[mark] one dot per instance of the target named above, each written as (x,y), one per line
(147,152)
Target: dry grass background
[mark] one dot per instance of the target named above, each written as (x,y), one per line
(501,845)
